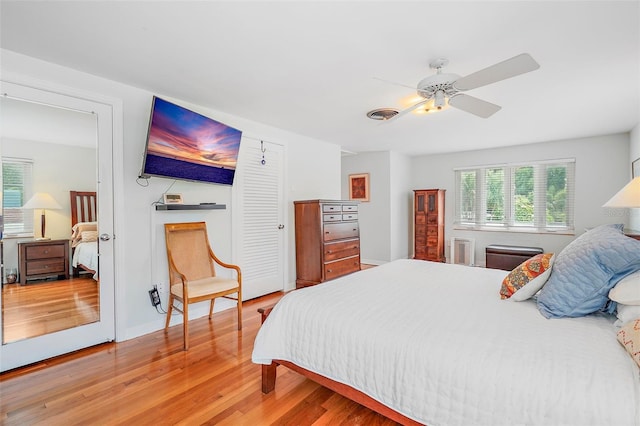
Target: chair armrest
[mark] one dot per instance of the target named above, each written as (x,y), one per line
(224,264)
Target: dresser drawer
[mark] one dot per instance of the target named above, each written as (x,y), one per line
(331,208)
(432,231)
(338,231)
(350,208)
(341,267)
(334,251)
(331,217)
(432,241)
(432,219)
(350,216)
(44,251)
(55,266)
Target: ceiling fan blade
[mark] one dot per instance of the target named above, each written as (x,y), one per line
(517,65)
(408,110)
(394,83)
(473,105)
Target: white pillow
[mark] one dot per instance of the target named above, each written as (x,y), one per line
(627,291)
(626,313)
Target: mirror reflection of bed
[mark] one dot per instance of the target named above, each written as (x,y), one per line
(52,304)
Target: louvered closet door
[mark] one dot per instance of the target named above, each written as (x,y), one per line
(260,216)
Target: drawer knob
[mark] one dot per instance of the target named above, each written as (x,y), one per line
(329,251)
(329,270)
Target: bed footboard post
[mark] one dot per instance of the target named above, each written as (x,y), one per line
(269,377)
(268,371)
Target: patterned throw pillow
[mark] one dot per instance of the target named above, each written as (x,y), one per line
(527,278)
(629,337)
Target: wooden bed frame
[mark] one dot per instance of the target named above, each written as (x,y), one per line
(84,208)
(269,384)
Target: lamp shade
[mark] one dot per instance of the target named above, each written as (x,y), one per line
(42,200)
(628,196)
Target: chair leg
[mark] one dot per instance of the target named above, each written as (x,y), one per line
(239,312)
(211,308)
(185,324)
(166,324)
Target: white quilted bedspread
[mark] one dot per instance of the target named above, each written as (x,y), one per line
(435,342)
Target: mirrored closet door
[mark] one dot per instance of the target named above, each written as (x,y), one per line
(55,295)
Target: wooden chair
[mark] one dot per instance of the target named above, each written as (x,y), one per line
(192,275)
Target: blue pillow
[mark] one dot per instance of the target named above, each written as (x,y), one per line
(586,270)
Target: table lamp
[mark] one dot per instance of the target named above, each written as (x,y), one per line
(42,200)
(628,196)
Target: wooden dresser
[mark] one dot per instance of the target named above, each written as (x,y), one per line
(428,210)
(327,240)
(41,259)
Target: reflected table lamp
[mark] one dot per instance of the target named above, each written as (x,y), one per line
(44,201)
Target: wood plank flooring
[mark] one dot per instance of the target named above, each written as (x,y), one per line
(150,380)
(44,307)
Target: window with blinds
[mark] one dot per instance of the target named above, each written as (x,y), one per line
(530,197)
(16,190)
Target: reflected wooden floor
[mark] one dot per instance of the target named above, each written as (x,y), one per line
(42,307)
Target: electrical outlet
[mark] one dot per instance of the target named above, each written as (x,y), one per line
(160,288)
(154,296)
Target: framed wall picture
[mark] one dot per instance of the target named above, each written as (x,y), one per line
(635,168)
(359,187)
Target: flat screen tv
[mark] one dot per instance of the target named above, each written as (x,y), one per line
(182,144)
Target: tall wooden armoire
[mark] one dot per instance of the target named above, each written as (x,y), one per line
(428,210)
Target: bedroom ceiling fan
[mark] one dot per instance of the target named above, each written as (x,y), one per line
(441,88)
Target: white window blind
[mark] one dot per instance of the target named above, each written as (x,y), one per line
(16,190)
(531,197)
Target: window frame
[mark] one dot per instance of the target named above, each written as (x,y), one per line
(27,228)
(509,224)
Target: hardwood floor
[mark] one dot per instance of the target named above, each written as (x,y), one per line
(150,380)
(47,306)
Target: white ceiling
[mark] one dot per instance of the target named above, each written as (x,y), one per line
(315,68)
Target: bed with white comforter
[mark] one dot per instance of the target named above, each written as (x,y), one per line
(436,343)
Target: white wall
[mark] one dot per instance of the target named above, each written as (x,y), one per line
(602,168)
(634,154)
(373,215)
(383,219)
(401,201)
(312,171)
(57,169)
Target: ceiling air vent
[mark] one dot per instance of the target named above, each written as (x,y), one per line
(382,114)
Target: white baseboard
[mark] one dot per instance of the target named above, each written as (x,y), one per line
(373,262)
(197,310)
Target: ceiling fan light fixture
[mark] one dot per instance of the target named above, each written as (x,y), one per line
(431,108)
(438,99)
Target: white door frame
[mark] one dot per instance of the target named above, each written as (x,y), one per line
(109,123)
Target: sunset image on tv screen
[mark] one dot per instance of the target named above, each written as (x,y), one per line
(187,145)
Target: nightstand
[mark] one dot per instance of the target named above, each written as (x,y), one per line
(42,259)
